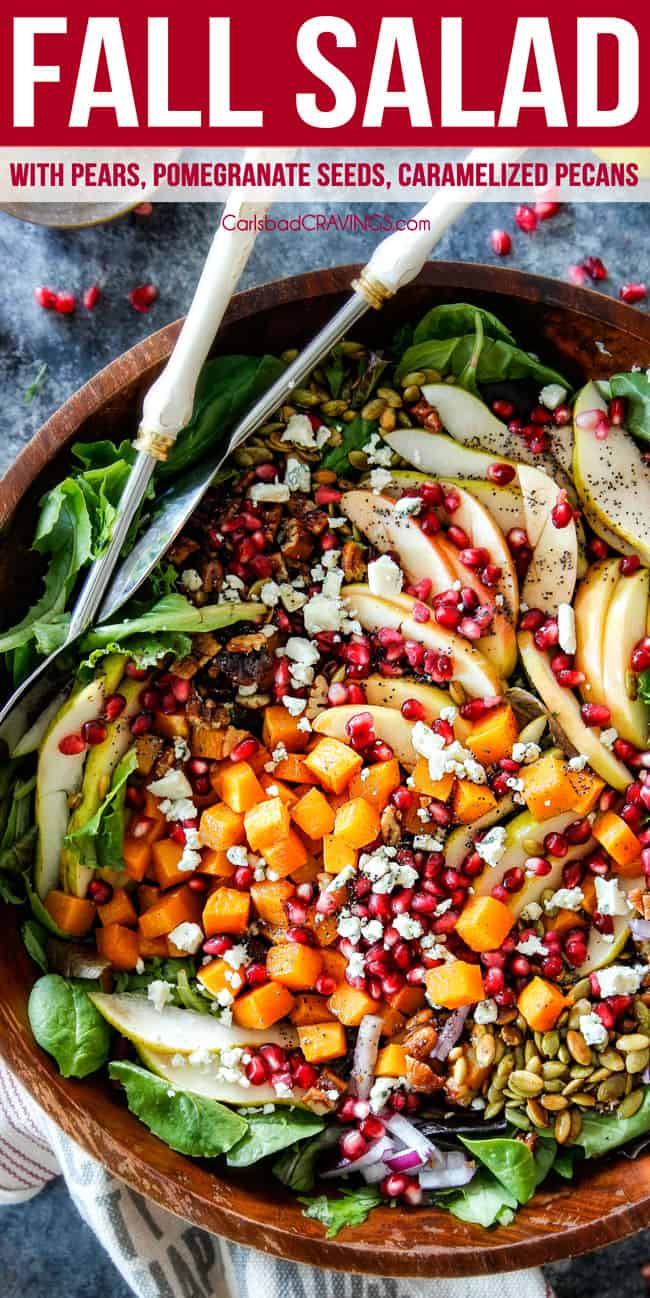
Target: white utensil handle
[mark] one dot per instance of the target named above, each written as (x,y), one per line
(400,258)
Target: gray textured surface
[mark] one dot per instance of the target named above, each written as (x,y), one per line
(39,1239)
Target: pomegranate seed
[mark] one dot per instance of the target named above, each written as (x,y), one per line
(526,218)
(562,415)
(552,966)
(447,616)
(539,415)
(505,410)
(244,750)
(328,495)
(413,710)
(274,1057)
(595,714)
(329,541)
(256,974)
(520,966)
(532,620)
(474,557)
(135,673)
(641,655)
(430,523)
(632,815)
(517,538)
(140,826)
(629,563)
(141,725)
(46,297)
(451,501)
(177,834)
(493,980)
(70,745)
(547,635)
(562,512)
(360,730)
(616,411)
(476,709)
(302,935)
(296,912)
(243,877)
(458,537)
(491,575)
(501,242)
(257,1071)
(402,799)
(143,297)
(195,884)
(114,706)
(595,268)
(545,209)
(607,800)
(305,1075)
(65,303)
(325,985)
(631,293)
(537,865)
(94,732)
(577,274)
(91,296)
(501,474)
(217,945)
(134,797)
(395,1185)
(99,891)
(556,844)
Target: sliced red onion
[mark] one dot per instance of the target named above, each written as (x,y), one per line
(455,1170)
(375,1154)
(450,1033)
(404,1160)
(411,1138)
(365,1055)
(640,929)
(645,1077)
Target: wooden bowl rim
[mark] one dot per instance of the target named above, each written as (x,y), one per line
(186,1188)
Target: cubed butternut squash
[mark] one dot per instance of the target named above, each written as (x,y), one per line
(218,977)
(151,948)
(281,728)
(294,770)
(266,823)
(455,984)
(547,788)
(73,915)
(216,863)
(313,814)
(588,788)
(391,1061)
(220,827)
(423,783)
(541,1004)
(158,827)
(294,964)
(136,853)
(326,930)
(617,838)
(275,788)
(334,764)
(350,1005)
(263,1006)
(174,725)
(334,964)
(357,823)
(484,923)
(309,1008)
(270,898)
(119,945)
(470,801)
(207,742)
(307,873)
(285,856)
(337,854)
(119,910)
(240,787)
(376,783)
(322,1041)
(175,907)
(166,855)
(493,736)
(226,911)
(408,1000)
(148,895)
(392,1021)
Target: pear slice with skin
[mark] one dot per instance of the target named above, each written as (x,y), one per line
(600,951)
(611,478)
(503,503)
(553,570)
(624,627)
(434,558)
(393,691)
(564,705)
(181,1031)
(199,1080)
(436,455)
(591,604)
(525,837)
(461,840)
(471,669)
(539,495)
(389,726)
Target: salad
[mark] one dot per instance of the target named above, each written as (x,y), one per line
(336,852)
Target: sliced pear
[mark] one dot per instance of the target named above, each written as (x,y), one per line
(420,555)
(440,456)
(600,951)
(591,604)
(393,691)
(471,669)
(32,739)
(389,725)
(461,840)
(503,503)
(612,480)
(553,570)
(564,705)
(624,627)
(198,1080)
(539,494)
(181,1031)
(525,837)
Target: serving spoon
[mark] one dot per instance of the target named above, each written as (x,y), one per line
(167,408)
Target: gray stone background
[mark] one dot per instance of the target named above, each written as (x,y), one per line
(40,1240)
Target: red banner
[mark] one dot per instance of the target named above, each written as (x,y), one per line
(322,75)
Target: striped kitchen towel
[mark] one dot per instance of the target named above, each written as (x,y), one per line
(161,1256)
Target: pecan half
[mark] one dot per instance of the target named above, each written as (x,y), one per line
(421,1077)
(353,562)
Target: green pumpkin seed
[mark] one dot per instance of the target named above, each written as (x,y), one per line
(485,1051)
(599,1075)
(584,1100)
(612,1060)
(358,460)
(373,409)
(554,1068)
(414,378)
(634,1041)
(303,397)
(563,1054)
(388,420)
(334,408)
(412,393)
(554,1103)
(526,1083)
(555,1085)
(576,1124)
(562,1127)
(536,1113)
(637,1060)
(392,397)
(629,1106)
(290,355)
(550,1044)
(574,1085)
(578,1047)
(581,990)
(517,1118)
(611,1089)
(493,1109)
(580,1070)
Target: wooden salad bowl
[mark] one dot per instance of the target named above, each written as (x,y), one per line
(580,332)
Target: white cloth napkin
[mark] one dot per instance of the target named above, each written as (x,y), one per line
(161,1256)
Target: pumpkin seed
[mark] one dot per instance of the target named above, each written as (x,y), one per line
(526,1083)
(562,1127)
(612,1060)
(629,1106)
(576,1124)
(554,1103)
(550,1044)
(611,1089)
(517,1118)
(554,1068)
(511,1036)
(563,1054)
(334,408)
(635,1041)
(599,1075)
(637,1060)
(290,355)
(414,378)
(555,1085)
(494,1093)
(303,397)
(642,1013)
(584,1100)
(493,1109)
(357,459)
(373,409)
(351,347)
(536,1113)
(578,1047)
(412,393)
(348,418)
(459,1071)
(580,1070)
(580,990)
(403,420)
(392,397)
(433,376)
(485,1051)
(504,1069)
(574,1085)
(387,420)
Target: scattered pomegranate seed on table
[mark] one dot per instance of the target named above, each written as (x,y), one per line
(501,243)
(632,293)
(143,297)
(526,218)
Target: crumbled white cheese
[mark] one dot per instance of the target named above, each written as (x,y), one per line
(531,913)
(427,843)
(380,478)
(608,737)
(450,759)
(237,856)
(377,451)
(322,614)
(372,930)
(304,724)
(187,937)
(525,753)
(159,993)
(291,598)
(300,650)
(385,871)
(532,946)
(443,907)
(609,898)
(191,579)
(297,476)
(332,583)
(565,899)
(299,432)
(407,506)
(619,980)
(578,762)
(566,627)
(181,749)
(178,809)
(492,846)
(294,706)
(552,396)
(356,965)
(385,578)
(408,927)
(139,965)
(380,1091)
(448,714)
(486,1011)
(236,956)
(349,926)
(272,493)
(174,784)
(593,1029)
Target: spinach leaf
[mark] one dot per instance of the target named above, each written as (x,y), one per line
(296,1167)
(635,388)
(355,436)
(601,1133)
(467,378)
(370,372)
(187,1123)
(227,386)
(352,1209)
(34,939)
(188,996)
(564,1161)
(643,686)
(269,1132)
(66,1024)
(451,320)
(544,1158)
(8,892)
(484,1201)
(334,370)
(498,360)
(102,836)
(510,1161)
(172,613)
(42,915)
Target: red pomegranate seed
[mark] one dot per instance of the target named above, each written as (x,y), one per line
(547,635)
(458,537)
(595,714)
(178,835)
(356,693)
(476,709)
(532,620)
(325,985)
(244,750)
(99,891)
(303,936)
(632,293)
(141,725)
(517,538)
(526,218)
(577,275)
(65,303)
(274,1057)
(256,1071)
(413,710)
(474,557)
(266,472)
(296,912)
(329,541)
(94,732)
(629,563)
(395,1185)
(134,797)
(91,296)
(430,523)
(114,706)
(501,474)
(452,501)
(217,945)
(556,844)
(493,981)
(135,673)
(504,410)
(545,209)
(470,628)
(501,242)
(243,877)
(537,865)
(447,616)
(562,415)
(70,745)
(360,730)
(616,411)
(595,268)
(632,815)
(46,297)
(439,666)
(562,511)
(520,966)
(421,613)
(181,689)
(431,493)
(256,974)
(552,966)
(142,297)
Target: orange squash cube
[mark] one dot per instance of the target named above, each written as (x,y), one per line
(151,948)
(119,910)
(541,1004)
(471,801)
(350,1006)
(408,1000)
(392,1021)
(422,781)
(376,783)
(226,911)
(216,864)
(455,984)
(293,769)
(152,811)
(484,923)
(166,855)
(266,823)
(334,964)
(322,1041)
(239,786)
(285,856)
(337,854)
(281,728)
(295,965)
(219,976)
(334,764)
(174,908)
(73,915)
(493,736)
(171,725)
(547,790)
(148,895)
(220,827)
(313,814)
(119,945)
(588,788)
(270,898)
(137,857)
(618,840)
(391,1061)
(274,788)
(309,1008)
(263,1007)
(357,823)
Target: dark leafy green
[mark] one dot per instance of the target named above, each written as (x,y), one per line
(34,938)
(268,1133)
(635,389)
(169,971)
(296,1167)
(188,995)
(352,1209)
(485,1201)
(102,837)
(145,650)
(510,1161)
(355,435)
(453,319)
(498,360)
(172,613)
(643,686)
(371,369)
(601,1132)
(66,1024)
(187,1123)
(334,370)
(41,914)
(564,1161)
